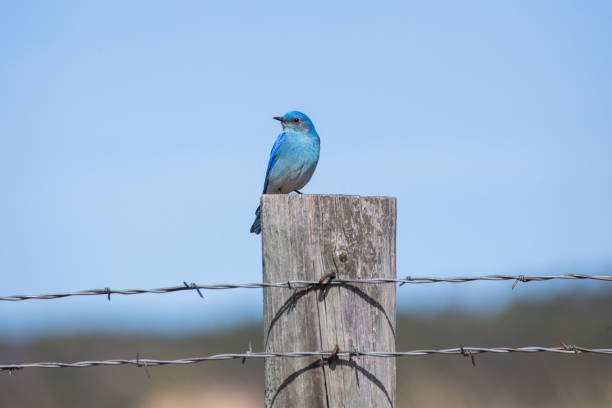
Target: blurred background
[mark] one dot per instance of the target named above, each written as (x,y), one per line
(134,139)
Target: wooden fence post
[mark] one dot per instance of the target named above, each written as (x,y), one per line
(306,237)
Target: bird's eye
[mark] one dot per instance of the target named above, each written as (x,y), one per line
(296,120)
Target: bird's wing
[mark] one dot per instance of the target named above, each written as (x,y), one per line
(273,157)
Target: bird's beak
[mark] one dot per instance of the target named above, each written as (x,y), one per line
(279,118)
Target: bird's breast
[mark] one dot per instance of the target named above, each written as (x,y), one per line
(295,165)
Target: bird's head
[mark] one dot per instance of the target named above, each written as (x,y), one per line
(296,121)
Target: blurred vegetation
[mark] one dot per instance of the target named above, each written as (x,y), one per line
(517,380)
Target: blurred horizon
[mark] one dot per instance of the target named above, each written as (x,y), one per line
(134,140)
(544,379)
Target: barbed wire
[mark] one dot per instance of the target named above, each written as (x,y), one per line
(464,351)
(296,284)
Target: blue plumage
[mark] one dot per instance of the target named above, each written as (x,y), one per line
(293,158)
(273,157)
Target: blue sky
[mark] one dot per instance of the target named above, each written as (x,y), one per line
(134,140)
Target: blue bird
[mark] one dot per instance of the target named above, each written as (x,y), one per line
(293,158)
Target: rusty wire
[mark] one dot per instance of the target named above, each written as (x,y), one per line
(464,351)
(293,284)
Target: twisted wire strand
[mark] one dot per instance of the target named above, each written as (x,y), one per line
(306,283)
(465,351)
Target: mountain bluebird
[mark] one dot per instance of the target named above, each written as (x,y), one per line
(293,158)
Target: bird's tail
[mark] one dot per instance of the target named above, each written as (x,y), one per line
(256,227)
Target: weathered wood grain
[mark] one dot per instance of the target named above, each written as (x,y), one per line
(306,237)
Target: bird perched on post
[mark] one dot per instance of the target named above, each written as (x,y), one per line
(293,158)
